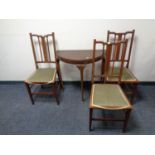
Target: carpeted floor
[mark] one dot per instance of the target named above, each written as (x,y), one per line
(19,116)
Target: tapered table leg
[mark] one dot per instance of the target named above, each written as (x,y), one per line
(81,68)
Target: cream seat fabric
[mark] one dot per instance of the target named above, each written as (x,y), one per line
(43,75)
(108,96)
(127,75)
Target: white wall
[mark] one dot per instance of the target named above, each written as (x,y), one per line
(16,59)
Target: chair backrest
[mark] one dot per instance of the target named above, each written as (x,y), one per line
(44,48)
(120,36)
(114,61)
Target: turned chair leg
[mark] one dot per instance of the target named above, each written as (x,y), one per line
(29,92)
(90,118)
(127,115)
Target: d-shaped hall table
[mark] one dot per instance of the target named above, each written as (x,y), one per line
(80,58)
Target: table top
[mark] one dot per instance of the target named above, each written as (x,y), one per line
(79,56)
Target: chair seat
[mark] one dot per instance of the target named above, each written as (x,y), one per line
(108,96)
(44,75)
(127,76)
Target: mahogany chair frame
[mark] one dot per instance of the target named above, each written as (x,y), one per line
(45,58)
(118,36)
(110,48)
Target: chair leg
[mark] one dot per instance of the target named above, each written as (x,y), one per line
(59,76)
(56,94)
(56,97)
(60,81)
(134,92)
(127,115)
(90,118)
(41,86)
(29,92)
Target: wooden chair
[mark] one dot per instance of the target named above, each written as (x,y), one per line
(128,78)
(47,66)
(104,95)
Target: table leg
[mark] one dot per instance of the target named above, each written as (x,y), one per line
(81,68)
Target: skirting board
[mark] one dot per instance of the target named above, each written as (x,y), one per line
(71,82)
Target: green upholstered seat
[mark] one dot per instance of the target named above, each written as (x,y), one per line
(44,75)
(127,75)
(108,96)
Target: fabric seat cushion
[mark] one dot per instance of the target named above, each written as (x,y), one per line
(43,75)
(127,75)
(109,96)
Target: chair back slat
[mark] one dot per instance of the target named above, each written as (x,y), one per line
(33,49)
(117,47)
(113,66)
(48,48)
(39,42)
(44,49)
(115,37)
